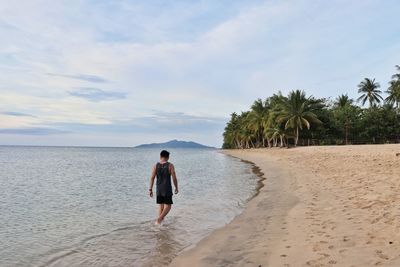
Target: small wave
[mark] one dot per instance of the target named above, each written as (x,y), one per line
(56,258)
(67,251)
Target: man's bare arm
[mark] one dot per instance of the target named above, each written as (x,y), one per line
(174,179)
(152,177)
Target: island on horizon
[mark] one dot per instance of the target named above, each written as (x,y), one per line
(175,144)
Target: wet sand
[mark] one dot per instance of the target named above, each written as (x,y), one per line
(319,206)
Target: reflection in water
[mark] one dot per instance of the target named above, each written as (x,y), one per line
(166,244)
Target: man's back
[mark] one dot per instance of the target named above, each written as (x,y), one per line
(164,187)
(164,171)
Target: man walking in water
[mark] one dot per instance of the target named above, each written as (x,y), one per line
(163,170)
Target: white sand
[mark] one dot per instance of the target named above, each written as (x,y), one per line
(320,206)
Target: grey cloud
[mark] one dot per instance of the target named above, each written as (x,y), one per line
(96,94)
(32,131)
(181,117)
(16,114)
(158,122)
(82,77)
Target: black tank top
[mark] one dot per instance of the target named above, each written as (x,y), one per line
(164,187)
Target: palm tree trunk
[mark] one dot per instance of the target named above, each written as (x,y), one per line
(281,141)
(262,139)
(237,143)
(297,136)
(346,132)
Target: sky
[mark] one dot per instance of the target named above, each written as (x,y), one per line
(122,73)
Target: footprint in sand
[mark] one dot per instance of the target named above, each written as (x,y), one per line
(376,220)
(316,247)
(381,255)
(324,255)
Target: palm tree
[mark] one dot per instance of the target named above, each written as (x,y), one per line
(342,105)
(296,113)
(394,94)
(397,75)
(343,101)
(258,120)
(278,133)
(229,140)
(369,90)
(247,134)
(394,89)
(232,133)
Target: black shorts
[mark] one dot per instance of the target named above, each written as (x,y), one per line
(164,200)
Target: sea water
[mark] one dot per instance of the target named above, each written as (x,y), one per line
(76,206)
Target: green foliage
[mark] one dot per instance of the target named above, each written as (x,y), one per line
(296,119)
(297,113)
(370,92)
(380,124)
(393,91)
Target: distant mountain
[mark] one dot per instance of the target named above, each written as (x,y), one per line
(174,144)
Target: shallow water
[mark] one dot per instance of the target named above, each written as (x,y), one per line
(67,206)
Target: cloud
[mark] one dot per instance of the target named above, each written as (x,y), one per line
(159,122)
(32,131)
(179,122)
(197,61)
(96,95)
(16,114)
(82,77)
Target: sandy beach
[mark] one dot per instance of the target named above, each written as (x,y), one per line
(319,206)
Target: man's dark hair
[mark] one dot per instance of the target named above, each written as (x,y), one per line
(164,154)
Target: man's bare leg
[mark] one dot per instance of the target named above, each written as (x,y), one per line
(164,213)
(160,209)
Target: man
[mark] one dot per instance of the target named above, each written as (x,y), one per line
(163,170)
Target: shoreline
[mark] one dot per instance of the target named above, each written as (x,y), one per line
(319,206)
(257,171)
(235,244)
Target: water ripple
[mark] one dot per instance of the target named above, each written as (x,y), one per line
(89,206)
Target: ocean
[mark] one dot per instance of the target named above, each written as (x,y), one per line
(83,206)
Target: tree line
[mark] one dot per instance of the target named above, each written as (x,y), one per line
(297,119)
